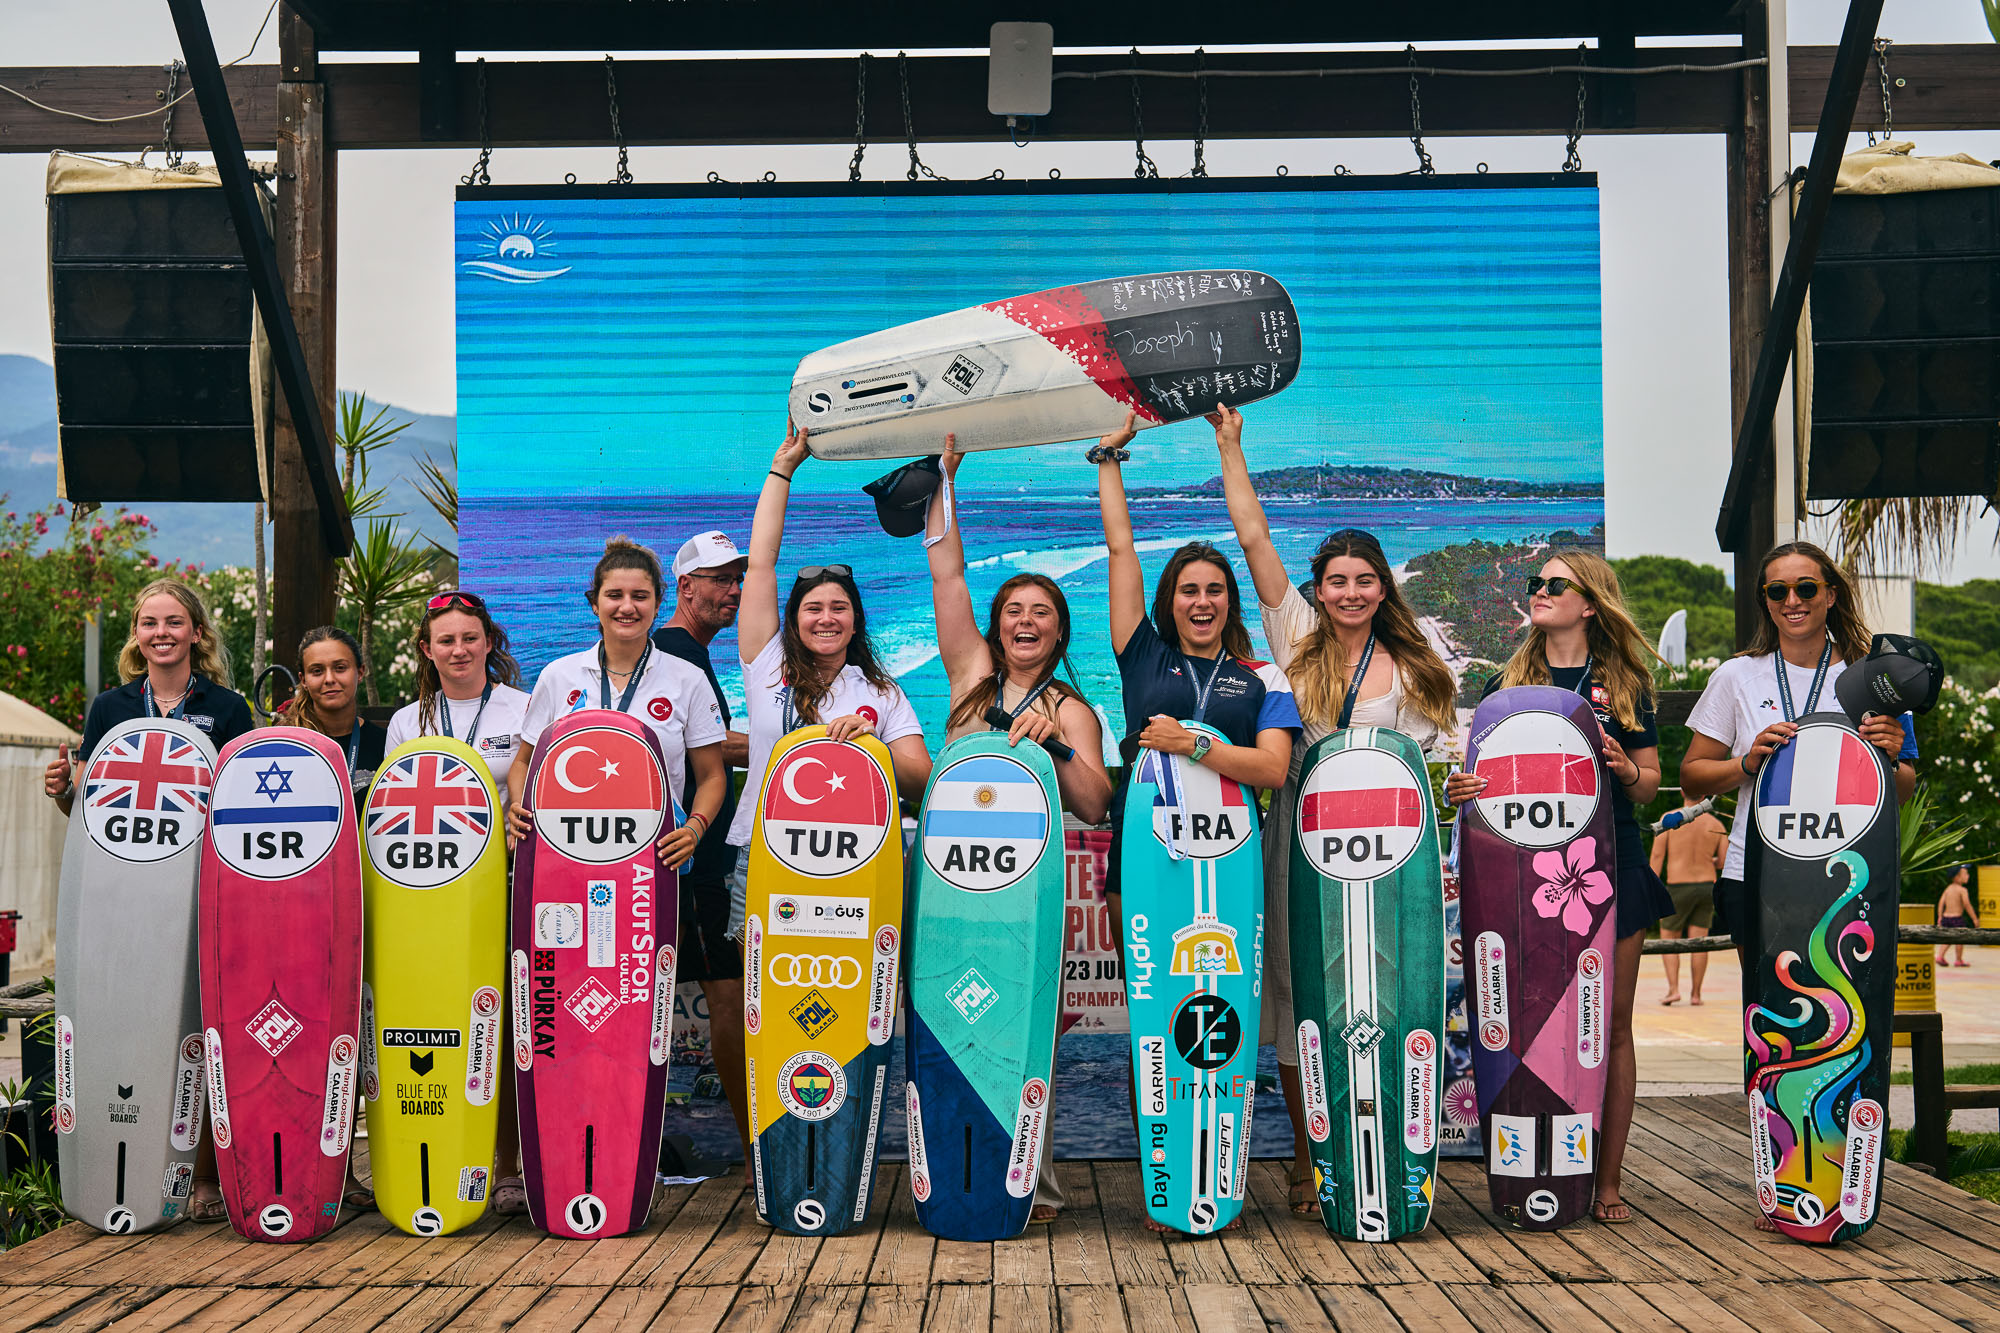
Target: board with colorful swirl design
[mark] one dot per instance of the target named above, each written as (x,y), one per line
(1820,998)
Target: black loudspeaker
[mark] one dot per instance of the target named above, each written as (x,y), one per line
(1906,346)
(152,313)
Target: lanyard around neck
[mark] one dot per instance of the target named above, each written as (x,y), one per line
(444,714)
(631,685)
(1026,699)
(1201,694)
(179,709)
(1354,686)
(1818,680)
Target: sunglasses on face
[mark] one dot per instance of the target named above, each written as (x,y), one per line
(811,572)
(1555,587)
(726,580)
(1777,590)
(445,599)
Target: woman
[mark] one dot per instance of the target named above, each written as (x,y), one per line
(1581,638)
(1011,665)
(1197,616)
(328,700)
(468,684)
(1355,656)
(174,665)
(622,672)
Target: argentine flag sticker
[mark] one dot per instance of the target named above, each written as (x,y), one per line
(986,824)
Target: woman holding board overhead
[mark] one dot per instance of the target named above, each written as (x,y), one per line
(1355,657)
(1010,666)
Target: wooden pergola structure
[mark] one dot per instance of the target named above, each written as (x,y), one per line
(309,111)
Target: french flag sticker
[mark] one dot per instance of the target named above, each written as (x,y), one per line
(1818,794)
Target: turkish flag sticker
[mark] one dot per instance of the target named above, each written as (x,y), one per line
(598,795)
(827,808)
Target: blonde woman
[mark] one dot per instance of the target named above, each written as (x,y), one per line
(1355,656)
(1581,638)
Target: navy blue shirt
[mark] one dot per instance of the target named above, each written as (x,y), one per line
(1156,678)
(215,710)
(714,858)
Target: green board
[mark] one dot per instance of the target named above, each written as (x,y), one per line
(1367,941)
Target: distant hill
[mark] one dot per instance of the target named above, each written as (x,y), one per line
(208,534)
(1347,481)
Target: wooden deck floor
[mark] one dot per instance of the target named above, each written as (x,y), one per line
(1690,1260)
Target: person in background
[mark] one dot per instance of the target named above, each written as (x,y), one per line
(1956,912)
(468,683)
(1581,638)
(174,665)
(1355,657)
(328,700)
(1688,859)
(708,588)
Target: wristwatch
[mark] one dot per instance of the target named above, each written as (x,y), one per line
(1202,743)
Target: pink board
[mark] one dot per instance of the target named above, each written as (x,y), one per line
(281,979)
(592,969)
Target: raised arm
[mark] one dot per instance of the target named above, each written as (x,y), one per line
(963,648)
(757,621)
(1253,530)
(1128,583)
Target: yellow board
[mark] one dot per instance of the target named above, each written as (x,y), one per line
(434,872)
(1916,977)
(1986,883)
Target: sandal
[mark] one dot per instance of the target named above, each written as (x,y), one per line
(357,1196)
(1611,1214)
(1299,1192)
(1042,1214)
(510,1196)
(209,1206)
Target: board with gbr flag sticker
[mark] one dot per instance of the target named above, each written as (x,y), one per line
(1367,944)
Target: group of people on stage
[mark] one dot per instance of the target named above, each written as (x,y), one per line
(1348,651)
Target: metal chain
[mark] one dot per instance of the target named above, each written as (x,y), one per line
(1201,113)
(917,166)
(1882,45)
(478,175)
(1574,161)
(167,126)
(1424,165)
(1144,168)
(860,116)
(624,176)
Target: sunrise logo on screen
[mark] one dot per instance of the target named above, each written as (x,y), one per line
(517,249)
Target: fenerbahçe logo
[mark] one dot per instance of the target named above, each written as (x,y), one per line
(598,795)
(826,808)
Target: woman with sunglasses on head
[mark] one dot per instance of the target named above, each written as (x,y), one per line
(1011,665)
(1190,658)
(1581,638)
(328,700)
(468,684)
(1355,656)
(809,660)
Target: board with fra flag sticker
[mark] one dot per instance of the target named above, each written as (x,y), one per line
(281,980)
(822,942)
(592,974)
(1367,937)
(1538,914)
(1824,853)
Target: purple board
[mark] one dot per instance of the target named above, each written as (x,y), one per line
(1537,859)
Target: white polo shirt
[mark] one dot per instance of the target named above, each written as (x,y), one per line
(494,741)
(673,699)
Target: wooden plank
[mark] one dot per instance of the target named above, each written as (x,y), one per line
(1157,1310)
(661,1263)
(1354,1308)
(1424,1307)
(903,1259)
(784,1262)
(891,1309)
(44,1247)
(24,1307)
(606,1262)
(1961,1302)
(965,1261)
(734,1247)
(1079,1250)
(105,1307)
(1219,1307)
(1687,1305)
(395,1309)
(1252,1248)
(1024,1309)
(1885,1301)
(1093,1308)
(767,1309)
(1787,1307)
(844,1260)
(238,1306)
(1549,1251)
(1291,1309)
(1304,1242)
(371,1251)
(1555,1306)
(1025,1260)
(296,1310)
(498,1307)
(958,1309)
(1490,1309)
(1619,1306)
(825,1309)
(531,1310)
(1488,1247)
(57,1262)
(1138,1254)
(633,1309)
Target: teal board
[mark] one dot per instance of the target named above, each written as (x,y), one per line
(1367,935)
(984,960)
(1194,962)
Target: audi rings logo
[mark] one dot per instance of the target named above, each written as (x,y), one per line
(801,969)
(1541,1206)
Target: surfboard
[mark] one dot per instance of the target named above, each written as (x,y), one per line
(1825,854)
(434,875)
(594,920)
(1367,934)
(985,952)
(1062,364)
(281,979)
(129,1096)
(1192,881)
(822,945)
(1538,859)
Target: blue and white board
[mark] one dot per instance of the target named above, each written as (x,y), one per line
(984,959)
(1192,875)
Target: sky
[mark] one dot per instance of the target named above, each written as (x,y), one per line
(1665,318)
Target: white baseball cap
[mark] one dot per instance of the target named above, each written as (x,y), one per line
(706,550)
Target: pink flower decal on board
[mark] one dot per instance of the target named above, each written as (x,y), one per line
(1571,884)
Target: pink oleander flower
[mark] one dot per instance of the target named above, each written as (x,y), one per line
(1572,884)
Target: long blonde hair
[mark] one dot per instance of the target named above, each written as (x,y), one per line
(1319,669)
(208,655)
(1618,649)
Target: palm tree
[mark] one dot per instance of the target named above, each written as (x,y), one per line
(387,568)
(1923,533)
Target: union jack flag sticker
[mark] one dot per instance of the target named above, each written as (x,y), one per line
(429,817)
(145,793)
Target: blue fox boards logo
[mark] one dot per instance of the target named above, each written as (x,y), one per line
(518,250)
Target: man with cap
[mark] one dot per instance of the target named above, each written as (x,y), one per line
(708,583)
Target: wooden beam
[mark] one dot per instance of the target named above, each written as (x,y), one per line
(1747,157)
(302,567)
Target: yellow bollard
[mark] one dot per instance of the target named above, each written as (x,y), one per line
(1986,884)
(1916,973)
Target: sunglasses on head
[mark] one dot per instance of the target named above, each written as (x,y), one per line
(811,572)
(1777,590)
(445,599)
(1351,537)
(1555,587)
